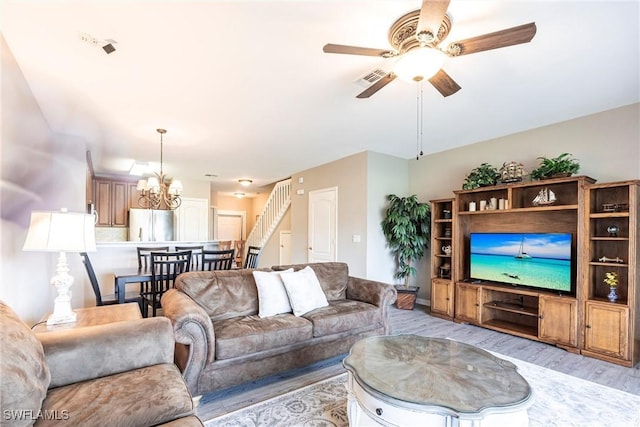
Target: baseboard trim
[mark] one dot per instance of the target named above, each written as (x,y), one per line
(422,301)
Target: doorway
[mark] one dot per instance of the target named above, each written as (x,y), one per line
(323,229)
(231,225)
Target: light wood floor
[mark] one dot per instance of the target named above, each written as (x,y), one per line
(419,322)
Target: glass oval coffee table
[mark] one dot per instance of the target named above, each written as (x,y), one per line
(407,380)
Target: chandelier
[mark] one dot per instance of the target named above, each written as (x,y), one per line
(156,191)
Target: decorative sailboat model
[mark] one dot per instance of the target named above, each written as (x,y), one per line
(544,197)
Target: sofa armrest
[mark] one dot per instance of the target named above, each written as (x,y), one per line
(194,335)
(379,294)
(75,355)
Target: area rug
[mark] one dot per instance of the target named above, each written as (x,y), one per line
(560,400)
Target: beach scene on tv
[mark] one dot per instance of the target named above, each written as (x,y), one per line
(541,260)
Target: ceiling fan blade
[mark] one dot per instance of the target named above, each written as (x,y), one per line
(444,83)
(377,86)
(508,37)
(431,16)
(356,50)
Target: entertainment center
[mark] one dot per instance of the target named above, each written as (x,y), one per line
(529,259)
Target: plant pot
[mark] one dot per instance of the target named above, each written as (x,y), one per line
(406,297)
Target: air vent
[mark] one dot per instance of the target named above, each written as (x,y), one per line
(371,77)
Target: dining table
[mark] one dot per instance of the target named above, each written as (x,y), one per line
(125,275)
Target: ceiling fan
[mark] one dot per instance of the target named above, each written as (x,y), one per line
(417,35)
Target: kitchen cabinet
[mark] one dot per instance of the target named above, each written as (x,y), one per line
(111,199)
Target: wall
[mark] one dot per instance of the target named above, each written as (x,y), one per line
(38,170)
(385,175)
(349,176)
(607,145)
(363,181)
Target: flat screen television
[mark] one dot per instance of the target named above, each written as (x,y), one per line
(536,260)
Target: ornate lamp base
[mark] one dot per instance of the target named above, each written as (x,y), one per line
(62,281)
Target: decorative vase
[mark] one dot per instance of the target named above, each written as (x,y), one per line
(613,296)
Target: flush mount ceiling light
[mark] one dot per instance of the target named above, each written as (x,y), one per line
(239,195)
(157,190)
(245,182)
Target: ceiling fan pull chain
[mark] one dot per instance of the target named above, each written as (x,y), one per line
(421,117)
(418,120)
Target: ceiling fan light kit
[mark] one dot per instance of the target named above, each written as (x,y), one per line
(419,34)
(419,64)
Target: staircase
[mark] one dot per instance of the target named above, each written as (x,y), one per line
(275,208)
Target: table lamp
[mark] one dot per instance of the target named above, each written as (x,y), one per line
(62,232)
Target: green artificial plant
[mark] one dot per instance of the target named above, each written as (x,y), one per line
(407,228)
(482,176)
(563,165)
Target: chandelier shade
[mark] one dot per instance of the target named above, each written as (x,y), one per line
(157,192)
(419,64)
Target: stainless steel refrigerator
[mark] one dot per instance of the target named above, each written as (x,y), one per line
(150,225)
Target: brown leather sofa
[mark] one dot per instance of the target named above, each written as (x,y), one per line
(115,374)
(221,341)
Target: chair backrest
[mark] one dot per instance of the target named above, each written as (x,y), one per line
(144,255)
(224,245)
(92,277)
(165,267)
(217,260)
(196,255)
(253,253)
(239,245)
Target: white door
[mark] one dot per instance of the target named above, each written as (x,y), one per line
(231,225)
(285,247)
(323,230)
(192,220)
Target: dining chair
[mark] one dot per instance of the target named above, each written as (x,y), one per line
(253,253)
(144,253)
(196,255)
(165,267)
(107,299)
(224,245)
(217,260)
(239,246)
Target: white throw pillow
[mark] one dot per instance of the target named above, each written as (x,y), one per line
(304,290)
(272,298)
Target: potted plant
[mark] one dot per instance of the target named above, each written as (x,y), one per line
(611,280)
(482,176)
(407,228)
(563,165)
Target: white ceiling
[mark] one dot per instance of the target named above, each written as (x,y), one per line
(244,89)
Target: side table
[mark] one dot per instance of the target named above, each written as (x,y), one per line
(92,316)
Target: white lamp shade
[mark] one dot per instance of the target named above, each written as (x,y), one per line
(61,232)
(175,189)
(142,185)
(153,184)
(419,64)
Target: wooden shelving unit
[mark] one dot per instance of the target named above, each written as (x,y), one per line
(604,222)
(535,314)
(612,328)
(442,286)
